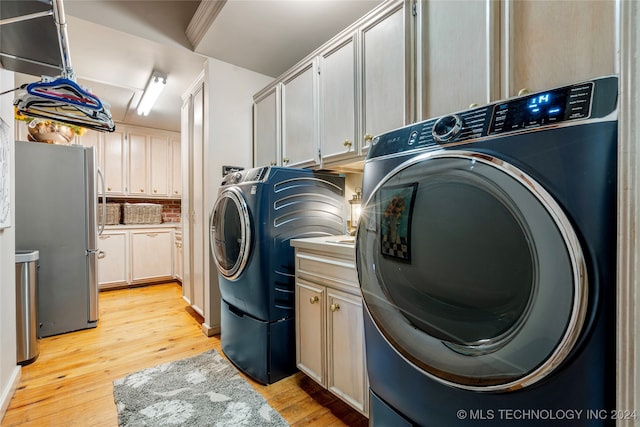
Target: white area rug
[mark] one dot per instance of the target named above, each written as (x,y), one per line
(205,390)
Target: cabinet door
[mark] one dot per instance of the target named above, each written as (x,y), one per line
(266,131)
(112,258)
(300,117)
(338,104)
(386,60)
(92,138)
(159,150)
(138,164)
(151,255)
(114,163)
(176,167)
(346,373)
(458,68)
(552,44)
(21,131)
(310,321)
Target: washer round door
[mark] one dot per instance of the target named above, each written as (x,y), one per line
(230,232)
(471,271)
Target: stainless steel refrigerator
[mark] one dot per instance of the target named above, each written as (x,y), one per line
(56,199)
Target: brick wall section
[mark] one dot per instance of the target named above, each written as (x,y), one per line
(170,208)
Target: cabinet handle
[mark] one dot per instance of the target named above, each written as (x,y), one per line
(104,237)
(155,191)
(108,188)
(314,299)
(368,137)
(347,143)
(142,190)
(175,191)
(285,160)
(473,105)
(523,91)
(101,254)
(152,234)
(334,307)
(272,163)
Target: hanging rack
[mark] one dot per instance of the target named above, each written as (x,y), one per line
(61,98)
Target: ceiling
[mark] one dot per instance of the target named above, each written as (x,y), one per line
(115,45)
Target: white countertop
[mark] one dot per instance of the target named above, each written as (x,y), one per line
(340,245)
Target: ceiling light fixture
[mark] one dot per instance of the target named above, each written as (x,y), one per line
(156,84)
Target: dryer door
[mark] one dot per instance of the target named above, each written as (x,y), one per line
(471,271)
(230,232)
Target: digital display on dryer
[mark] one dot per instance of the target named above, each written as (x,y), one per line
(542,108)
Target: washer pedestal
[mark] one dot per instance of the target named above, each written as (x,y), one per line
(262,350)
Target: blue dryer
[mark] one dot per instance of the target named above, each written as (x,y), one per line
(256,214)
(486,254)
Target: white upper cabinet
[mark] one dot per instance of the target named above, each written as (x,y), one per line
(176,166)
(507,46)
(331,104)
(266,127)
(339,104)
(550,44)
(387,102)
(457,66)
(138,164)
(159,164)
(115,161)
(300,116)
(92,138)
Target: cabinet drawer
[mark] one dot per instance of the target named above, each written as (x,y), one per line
(325,268)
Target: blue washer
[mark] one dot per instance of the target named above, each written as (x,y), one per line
(256,214)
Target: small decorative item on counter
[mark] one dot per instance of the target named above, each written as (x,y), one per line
(49,131)
(142,213)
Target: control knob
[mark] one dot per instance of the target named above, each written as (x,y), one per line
(446,128)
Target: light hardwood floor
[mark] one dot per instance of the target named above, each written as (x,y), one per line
(70,383)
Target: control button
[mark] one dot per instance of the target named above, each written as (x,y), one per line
(446,128)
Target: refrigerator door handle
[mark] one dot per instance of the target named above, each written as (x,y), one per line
(92,231)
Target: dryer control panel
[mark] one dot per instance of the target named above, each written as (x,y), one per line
(554,106)
(244,176)
(576,103)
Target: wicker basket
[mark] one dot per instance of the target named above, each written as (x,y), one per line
(112,214)
(142,213)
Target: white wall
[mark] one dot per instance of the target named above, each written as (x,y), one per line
(9,370)
(230,91)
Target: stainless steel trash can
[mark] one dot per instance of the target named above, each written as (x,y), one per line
(27,264)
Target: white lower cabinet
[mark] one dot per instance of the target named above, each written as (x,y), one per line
(133,256)
(151,255)
(329,323)
(113,252)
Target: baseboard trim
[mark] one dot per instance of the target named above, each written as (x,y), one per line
(210,331)
(10,390)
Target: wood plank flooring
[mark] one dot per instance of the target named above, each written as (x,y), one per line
(70,383)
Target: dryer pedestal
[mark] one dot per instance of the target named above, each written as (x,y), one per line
(262,350)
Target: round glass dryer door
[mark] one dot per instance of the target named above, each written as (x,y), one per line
(230,232)
(471,271)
